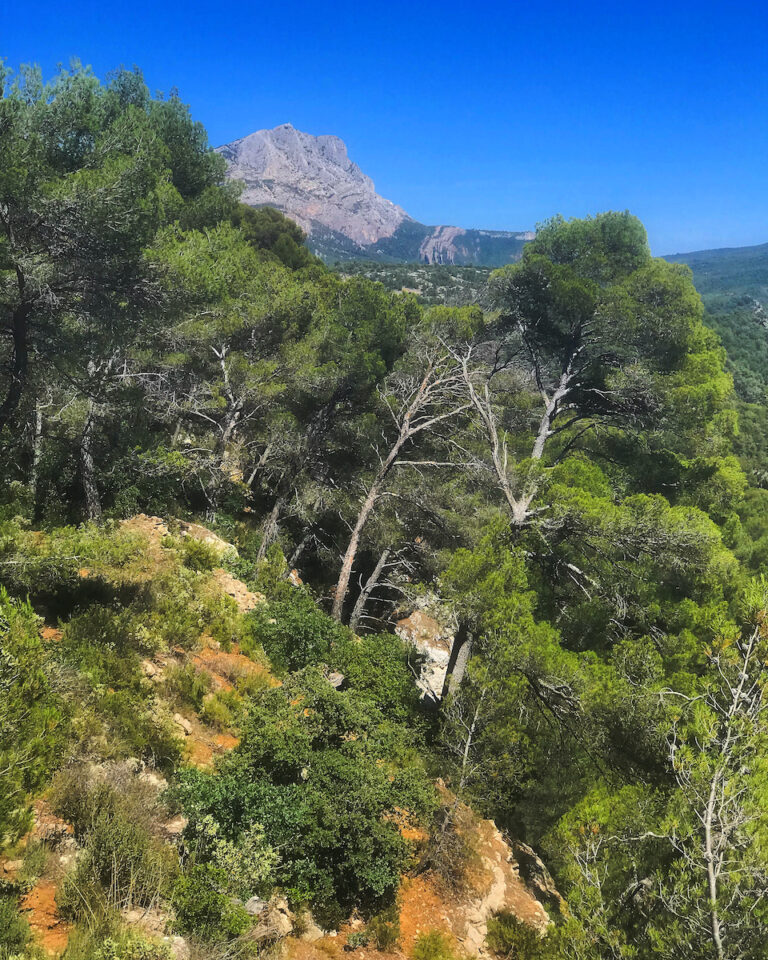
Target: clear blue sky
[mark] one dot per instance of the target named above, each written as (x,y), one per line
(494,114)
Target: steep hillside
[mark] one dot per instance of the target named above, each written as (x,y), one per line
(313,180)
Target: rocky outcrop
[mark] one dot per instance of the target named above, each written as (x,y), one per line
(440,246)
(501,876)
(313,180)
(434,643)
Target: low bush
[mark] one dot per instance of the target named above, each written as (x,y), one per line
(384,929)
(357,939)
(30,715)
(294,632)
(116,819)
(34,863)
(508,937)
(221,709)
(186,685)
(451,853)
(434,946)
(198,555)
(323,772)
(201,906)
(110,940)
(381,668)
(14,930)
(133,946)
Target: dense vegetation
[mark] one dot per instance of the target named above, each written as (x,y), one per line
(435,284)
(552,475)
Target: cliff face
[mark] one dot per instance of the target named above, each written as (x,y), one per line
(313,181)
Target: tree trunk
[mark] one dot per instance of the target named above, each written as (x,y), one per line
(354,542)
(270,527)
(230,425)
(37,449)
(19,364)
(714,917)
(294,558)
(465,652)
(87,466)
(457,661)
(366,510)
(468,744)
(365,593)
(408,426)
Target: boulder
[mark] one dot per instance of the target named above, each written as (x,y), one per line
(275,921)
(208,537)
(433,642)
(255,906)
(183,723)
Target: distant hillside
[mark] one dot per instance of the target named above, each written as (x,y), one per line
(733,283)
(313,181)
(731,269)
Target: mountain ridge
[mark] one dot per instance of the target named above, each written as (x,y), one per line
(313,180)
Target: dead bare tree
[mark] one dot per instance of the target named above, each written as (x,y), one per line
(721,877)
(417,404)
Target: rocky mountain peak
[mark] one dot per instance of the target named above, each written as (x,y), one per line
(313,180)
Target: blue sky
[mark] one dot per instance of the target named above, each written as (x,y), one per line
(495,114)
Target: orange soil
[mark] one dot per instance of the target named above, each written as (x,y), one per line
(422,909)
(48,929)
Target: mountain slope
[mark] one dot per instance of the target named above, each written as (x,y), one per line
(736,270)
(314,182)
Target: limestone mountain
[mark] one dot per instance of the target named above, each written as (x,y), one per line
(313,180)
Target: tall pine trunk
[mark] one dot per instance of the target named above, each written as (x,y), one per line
(88,466)
(365,593)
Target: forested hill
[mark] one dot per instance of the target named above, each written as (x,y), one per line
(733,270)
(733,283)
(335,623)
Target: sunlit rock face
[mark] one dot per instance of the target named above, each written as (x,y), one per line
(312,180)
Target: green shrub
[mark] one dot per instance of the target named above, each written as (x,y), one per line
(357,939)
(30,715)
(109,940)
(198,555)
(186,684)
(132,946)
(322,772)
(135,730)
(116,819)
(14,930)
(203,909)
(294,632)
(434,946)
(220,709)
(451,851)
(34,863)
(384,929)
(381,668)
(508,937)
(252,683)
